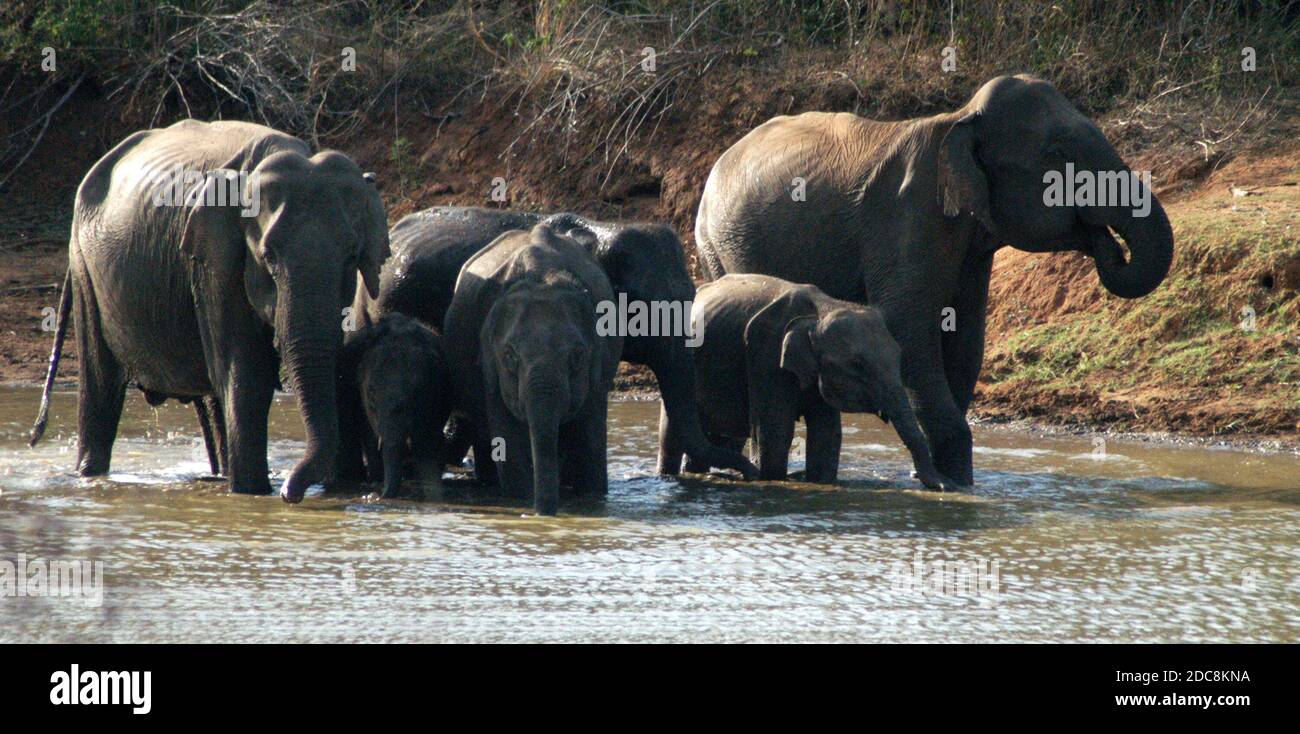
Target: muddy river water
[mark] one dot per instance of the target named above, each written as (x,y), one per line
(1063,539)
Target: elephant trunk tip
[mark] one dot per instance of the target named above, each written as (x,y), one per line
(1150,242)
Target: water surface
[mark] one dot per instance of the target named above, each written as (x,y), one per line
(1062,540)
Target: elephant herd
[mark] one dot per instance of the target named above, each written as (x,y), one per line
(849,263)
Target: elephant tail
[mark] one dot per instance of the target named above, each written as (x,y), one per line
(60,331)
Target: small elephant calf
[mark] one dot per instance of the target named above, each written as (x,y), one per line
(394,392)
(774,351)
(532,372)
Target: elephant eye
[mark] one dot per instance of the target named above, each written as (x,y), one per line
(510,358)
(268,256)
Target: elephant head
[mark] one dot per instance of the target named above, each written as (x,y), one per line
(849,356)
(293,258)
(539,350)
(1016,138)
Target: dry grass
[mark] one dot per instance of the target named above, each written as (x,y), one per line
(574,70)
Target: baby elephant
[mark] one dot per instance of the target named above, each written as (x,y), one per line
(774,351)
(531,373)
(394,390)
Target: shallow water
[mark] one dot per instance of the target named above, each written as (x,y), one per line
(1059,541)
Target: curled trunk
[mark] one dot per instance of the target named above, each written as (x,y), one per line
(1150,242)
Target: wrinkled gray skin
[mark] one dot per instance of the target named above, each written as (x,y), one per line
(198,301)
(643,261)
(906,216)
(528,366)
(395,391)
(774,352)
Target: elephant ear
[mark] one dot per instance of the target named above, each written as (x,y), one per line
(767,338)
(963,186)
(374,241)
(214,240)
(797,353)
(212,230)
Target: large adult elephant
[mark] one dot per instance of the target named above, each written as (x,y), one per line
(906,216)
(202,256)
(644,262)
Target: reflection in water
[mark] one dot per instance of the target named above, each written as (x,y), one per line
(1058,542)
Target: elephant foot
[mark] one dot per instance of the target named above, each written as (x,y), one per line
(292,491)
(937,481)
(695,466)
(704,461)
(259,488)
(92,468)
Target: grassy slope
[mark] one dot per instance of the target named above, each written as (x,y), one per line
(1185,358)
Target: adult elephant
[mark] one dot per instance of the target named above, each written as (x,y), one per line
(202,256)
(644,262)
(906,216)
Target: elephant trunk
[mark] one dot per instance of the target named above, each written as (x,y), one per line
(310,364)
(544,406)
(1147,233)
(674,369)
(898,411)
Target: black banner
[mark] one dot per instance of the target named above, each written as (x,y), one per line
(209,684)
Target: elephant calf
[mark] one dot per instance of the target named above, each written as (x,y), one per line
(774,351)
(394,391)
(531,373)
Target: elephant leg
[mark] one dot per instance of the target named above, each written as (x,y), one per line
(699,466)
(209,441)
(485,468)
(374,468)
(429,453)
(514,468)
(670,446)
(219,432)
(458,440)
(100,391)
(583,449)
(349,464)
(675,373)
(824,438)
(772,431)
(963,349)
(936,411)
(247,407)
(391,446)
(476,434)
